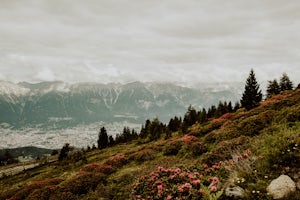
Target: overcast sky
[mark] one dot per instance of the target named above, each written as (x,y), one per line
(148,40)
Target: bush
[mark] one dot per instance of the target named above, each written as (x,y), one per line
(287,155)
(192,150)
(172,148)
(174,184)
(27,190)
(251,126)
(143,155)
(212,125)
(117,160)
(82,183)
(98,168)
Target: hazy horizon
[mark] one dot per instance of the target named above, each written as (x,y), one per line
(148,41)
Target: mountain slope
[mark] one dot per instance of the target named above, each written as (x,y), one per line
(246,149)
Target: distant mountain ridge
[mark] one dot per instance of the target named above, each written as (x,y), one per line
(65,104)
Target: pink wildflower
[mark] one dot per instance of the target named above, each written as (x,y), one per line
(181,190)
(196,182)
(169,197)
(191,176)
(213,188)
(159,169)
(177,170)
(246,155)
(215,181)
(196,173)
(187,185)
(239,157)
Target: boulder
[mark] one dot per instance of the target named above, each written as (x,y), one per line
(281,187)
(235,191)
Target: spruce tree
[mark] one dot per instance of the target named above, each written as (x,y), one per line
(102,139)
(273,88)
(285,83)
(252,94)
(111,141)
(64,152)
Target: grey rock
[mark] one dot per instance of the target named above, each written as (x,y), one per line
(235,191)
(281,187)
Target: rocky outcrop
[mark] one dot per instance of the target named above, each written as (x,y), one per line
(281,187)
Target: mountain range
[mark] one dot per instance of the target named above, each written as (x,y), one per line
(64,104)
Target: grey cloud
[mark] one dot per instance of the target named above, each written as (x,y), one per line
(171,40)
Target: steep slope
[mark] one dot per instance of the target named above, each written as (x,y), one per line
(246,149)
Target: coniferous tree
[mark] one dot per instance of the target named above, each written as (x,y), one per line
(145,129)
(211,111)
(111,141)
(174,124)
(236,106)
(273,88)
(64,152)
(156,129)
(7,158)
(202,116)
(252,94)
(229,107)
(285,83)
(190,116)
(102,138)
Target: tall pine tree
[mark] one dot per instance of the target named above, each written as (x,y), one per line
(273,88)
(102,139)
(285,83)
(252,94)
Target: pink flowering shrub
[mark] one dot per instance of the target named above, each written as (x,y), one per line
(117,160)
(227,116)
(171,184)
(24,192)
(189,139)
(98,168)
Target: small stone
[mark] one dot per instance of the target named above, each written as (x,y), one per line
(235,192)
(281,187)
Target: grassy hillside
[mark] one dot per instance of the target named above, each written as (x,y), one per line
(245,148)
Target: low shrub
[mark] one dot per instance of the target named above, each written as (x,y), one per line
(192,150)
(27,190)
(189,139)
(172,148)
(143,155)
(252,126)
(98,168)
(82,183)
(117,160)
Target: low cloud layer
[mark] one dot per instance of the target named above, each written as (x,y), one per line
(170,40)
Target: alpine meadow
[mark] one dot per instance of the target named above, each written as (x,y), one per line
(149,100)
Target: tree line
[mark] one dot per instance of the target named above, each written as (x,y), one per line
(154,129)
